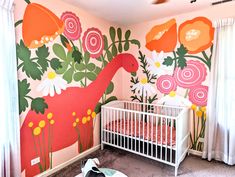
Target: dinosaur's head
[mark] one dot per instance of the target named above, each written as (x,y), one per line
(129,62)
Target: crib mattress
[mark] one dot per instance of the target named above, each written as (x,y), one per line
(144,130)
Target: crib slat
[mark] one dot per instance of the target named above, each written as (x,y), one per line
(152,136)
(161,139)
(125,133)
(135,131)
(171,141)
(147,134)
(166,138)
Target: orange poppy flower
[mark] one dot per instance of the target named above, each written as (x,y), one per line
(40,26)
(162,37)
(196,34)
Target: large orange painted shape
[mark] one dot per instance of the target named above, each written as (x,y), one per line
(73,99)
(40,26)
(196,34)
(162,37)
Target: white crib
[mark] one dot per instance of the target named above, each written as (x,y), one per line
(157,132)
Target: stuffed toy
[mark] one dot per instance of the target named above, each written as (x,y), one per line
(90,169)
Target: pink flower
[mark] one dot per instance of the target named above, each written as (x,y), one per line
(166,84)
(72,25)
(93,42)
(192,75)
(198,95)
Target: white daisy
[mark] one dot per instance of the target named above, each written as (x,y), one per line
(143,88)
(156,66)
(172,99)
(52,84)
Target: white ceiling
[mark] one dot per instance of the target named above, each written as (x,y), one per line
(135,11)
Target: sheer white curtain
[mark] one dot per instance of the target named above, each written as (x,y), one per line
(9,114)
(220,128)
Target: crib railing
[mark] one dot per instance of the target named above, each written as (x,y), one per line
(149,130)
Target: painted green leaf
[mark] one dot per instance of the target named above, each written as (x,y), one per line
(91,66)
(105,42)
(55,64)
(119,34)
(168,61)
(91,76)
(59,51)
(105,63)
(127,34)
(181,51)
(109,55)
(114,50)
(23,53)
(182,62)
(64,66)
(42,52)
(87,57)
(64,40)
(98,108)
(112,33)
(112,98)
(78,76)
(136,42)
(32,70)
(110,88)
(70,57)
(126,46)
(80,67)
(97,70)
(77,56)
(39,105)
(68,75)
(24,89)
(120,47)
(43,63)
(99,58)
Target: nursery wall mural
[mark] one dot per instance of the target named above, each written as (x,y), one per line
(176,73)
(73,68)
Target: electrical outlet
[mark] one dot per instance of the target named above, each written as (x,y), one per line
(35,161)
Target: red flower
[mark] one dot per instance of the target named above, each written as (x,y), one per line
(72,24)
(93,42)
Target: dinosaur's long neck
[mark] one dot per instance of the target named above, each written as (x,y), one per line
(97,88)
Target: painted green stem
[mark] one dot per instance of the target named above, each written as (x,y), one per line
(18,22)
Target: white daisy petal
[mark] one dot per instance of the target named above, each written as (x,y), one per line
(154,55)
(161,56)
(42,85)
(46,90)
(52,90)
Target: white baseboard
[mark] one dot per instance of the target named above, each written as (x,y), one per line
(194,152)
(78,157)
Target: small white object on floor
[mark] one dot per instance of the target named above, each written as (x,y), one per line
(108,173)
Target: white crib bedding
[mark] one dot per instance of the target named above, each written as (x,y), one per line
(140,129)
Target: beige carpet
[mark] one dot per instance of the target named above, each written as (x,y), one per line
(137,166)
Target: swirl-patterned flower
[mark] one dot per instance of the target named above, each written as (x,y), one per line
(93,42)
(192,75)
(72,25)
(166,84)
(198,95)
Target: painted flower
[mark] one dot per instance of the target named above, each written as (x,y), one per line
(93,42)
(49,115)
(42,124)
(52,84)
(166,84)
(198,95)
(72,25)
(40,26)
(172,99)
(93,115)
(156,66)
(30,124)
(196,34)
(143,88)
(52,122)
(84,120)
(37,131)
(162,37)
(192,75)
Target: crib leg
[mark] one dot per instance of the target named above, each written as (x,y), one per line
(176,171)
(102,146)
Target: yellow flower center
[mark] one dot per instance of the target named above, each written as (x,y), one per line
(37,131)
(203,109)
(51,75)
(84,120)
(73,113)
(88,118)
(172,94)
(77,120)
(52,122)
(49,115)
(42,124)
(89,112)
(199,113)
(144,80)
(93,115)
(157,64)
(74,124)
(30,124)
